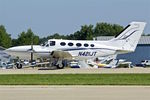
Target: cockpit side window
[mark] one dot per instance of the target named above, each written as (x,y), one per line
(52,43)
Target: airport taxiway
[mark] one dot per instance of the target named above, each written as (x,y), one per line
(74,71)
(74,92)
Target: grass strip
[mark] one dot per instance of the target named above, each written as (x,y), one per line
(75,79)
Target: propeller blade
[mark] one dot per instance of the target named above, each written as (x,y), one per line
(32,52)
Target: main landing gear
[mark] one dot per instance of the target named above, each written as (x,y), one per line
(60,64)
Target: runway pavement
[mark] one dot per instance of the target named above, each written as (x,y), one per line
(74,71)
(74,93)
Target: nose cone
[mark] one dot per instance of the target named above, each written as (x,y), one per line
(17,51)
(23,52)
(13,49)
(10,50)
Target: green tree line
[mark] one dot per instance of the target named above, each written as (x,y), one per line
(87,32)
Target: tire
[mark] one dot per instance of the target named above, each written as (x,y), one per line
(19,66)
(60,66)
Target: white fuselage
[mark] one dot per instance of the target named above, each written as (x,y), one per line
(78,49)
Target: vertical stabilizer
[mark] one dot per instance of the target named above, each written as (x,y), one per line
(129,37)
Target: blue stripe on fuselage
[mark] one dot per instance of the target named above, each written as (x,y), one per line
(74,49)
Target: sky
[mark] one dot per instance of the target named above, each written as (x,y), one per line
(46,17)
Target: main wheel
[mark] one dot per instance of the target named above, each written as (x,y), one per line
(60,66)
(19,66)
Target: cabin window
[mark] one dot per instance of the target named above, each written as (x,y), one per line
(92,45)
(52,43)
(70,44)
(62,43)
(78,44)
(86,45)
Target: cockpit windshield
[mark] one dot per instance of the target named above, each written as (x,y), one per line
(44,44)
(47,44)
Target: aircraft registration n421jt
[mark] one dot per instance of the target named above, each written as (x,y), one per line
(125,42)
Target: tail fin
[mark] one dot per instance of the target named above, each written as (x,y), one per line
(129,37)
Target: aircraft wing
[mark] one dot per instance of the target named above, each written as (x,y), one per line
(61,54)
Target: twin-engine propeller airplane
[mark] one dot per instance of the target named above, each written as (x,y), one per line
(125,42)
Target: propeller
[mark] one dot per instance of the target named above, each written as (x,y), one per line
(32,51)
